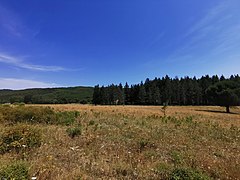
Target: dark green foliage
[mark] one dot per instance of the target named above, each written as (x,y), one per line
(187,174)
(126,94)
(48,95)
(96,95)
(27,98)
(74,131)
(91,122)
(225,93)
(142,95)
(19,138)
(184,91)
(112,94)
(16,171)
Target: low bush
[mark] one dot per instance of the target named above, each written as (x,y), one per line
(16,171)
(19,104)
(187,174)
(67,117)
(34,114)
(28,114)
(74,131)
(19,138)
(91,122)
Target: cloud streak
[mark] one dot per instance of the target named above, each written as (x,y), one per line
(10,22)
(209,45)
(15,84)
(21,64)
(216,34)
(208,21)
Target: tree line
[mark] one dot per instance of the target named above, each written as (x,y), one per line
(173,91)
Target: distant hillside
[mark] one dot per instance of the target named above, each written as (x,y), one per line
(48,95)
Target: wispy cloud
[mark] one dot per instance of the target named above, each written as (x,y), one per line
(13,83)
(18,62)
(216,34)
(211,45)
(207,21)
(10,22)
(15,26)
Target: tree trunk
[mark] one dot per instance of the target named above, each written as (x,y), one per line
(228,109)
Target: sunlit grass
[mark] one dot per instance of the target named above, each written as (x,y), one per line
(135,142)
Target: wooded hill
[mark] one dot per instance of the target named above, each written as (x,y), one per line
(173,91)
(48,95)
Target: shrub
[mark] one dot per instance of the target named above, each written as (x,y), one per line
(187,174)
(91,122)
(28,114)
(18,138)
(34,114)
(142,144)
(67,117)
(83,101)
(16,171)
(74,131)
(19,103)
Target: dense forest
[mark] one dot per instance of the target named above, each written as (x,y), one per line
(173,91)
(81,95)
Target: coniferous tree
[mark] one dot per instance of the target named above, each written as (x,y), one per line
(142,94)
(126,94)
(121,94)
(96,95)
(222,78)
(155,95)
(184,91)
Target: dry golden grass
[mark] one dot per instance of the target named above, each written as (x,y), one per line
(136,142)
(201,113)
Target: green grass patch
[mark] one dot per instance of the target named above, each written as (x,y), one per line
(187,174)
(67,117)
(15,171)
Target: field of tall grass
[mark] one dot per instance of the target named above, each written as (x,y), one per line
(118,142)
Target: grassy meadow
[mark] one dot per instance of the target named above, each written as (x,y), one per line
(119,142)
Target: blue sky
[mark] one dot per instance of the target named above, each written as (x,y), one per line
(87,42)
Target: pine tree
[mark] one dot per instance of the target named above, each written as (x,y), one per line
(142,95)
(96,95)
(126,94)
